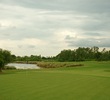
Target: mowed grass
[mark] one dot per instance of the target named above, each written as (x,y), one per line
(90,82)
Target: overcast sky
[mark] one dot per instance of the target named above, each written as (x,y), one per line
(34,27)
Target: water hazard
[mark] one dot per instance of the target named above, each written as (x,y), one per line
(24,66)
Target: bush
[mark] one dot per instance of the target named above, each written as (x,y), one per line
(57,64)
(9,68)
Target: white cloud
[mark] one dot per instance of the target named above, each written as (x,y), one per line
(27,45)
(46,26)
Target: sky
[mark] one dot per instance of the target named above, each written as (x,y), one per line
(45,27)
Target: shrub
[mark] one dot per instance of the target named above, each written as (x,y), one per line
(9,68)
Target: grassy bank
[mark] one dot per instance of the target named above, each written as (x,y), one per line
(89,82)
(59,64)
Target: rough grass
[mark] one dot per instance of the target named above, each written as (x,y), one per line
(58,64)
(90,82)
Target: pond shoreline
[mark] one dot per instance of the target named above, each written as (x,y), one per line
(23,66)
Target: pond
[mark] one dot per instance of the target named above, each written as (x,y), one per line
(24,66)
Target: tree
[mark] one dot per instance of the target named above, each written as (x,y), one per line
(13,58)
(64,55)
(5,58)
(1,64)
(84,54)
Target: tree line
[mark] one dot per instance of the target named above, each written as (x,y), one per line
(79,54)
(32,58)
(84,54)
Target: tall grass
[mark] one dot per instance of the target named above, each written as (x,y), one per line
(58,64)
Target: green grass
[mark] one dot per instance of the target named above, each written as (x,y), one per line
(90,82)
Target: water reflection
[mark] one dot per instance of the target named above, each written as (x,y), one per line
(24,66)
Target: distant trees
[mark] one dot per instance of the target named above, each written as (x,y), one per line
(28,58)
(84,54)
(79,54)
(5,58)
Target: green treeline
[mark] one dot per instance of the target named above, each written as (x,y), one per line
(84,54)
(79,54)
(5,58)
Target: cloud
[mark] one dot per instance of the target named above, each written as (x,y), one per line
(92,34)
(25,46)
(89,6)
(48,26)
(96,24)
(87,42)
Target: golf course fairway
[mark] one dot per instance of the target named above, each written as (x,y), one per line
(88,82)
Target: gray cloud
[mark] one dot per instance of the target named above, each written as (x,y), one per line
(92,34)
(26,46)
(99,6)
(96,25)
(87,42)
(54,22)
